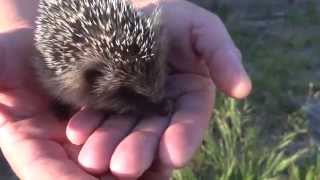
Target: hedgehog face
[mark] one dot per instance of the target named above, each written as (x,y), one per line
(129,88)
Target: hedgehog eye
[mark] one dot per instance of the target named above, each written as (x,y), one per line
(91,75)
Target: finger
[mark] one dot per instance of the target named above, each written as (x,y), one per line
(82,124)
(214,44)
(73,152)
(185,132)
(96,153)
(134,155)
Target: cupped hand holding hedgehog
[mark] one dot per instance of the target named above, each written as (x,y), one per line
(201,56)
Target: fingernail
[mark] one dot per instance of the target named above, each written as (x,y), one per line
(242,89)
(243,86)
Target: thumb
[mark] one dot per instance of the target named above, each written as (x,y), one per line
(214,44)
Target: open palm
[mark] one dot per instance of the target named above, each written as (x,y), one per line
(40,146)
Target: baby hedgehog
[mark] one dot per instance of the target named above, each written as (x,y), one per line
(102,54)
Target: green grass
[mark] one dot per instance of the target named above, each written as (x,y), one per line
(234,150)
(267,136)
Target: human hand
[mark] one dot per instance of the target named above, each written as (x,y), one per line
(32,139)
(118,144)
(202,55)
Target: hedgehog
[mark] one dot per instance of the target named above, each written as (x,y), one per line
(102,54)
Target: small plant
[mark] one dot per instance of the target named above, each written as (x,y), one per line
(233,150)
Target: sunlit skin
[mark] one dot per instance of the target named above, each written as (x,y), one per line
(40,146)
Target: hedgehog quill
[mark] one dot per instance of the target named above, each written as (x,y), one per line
(102,54)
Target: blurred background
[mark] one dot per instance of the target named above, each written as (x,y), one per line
(275,133)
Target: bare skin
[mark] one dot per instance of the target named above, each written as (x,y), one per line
(39,146)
